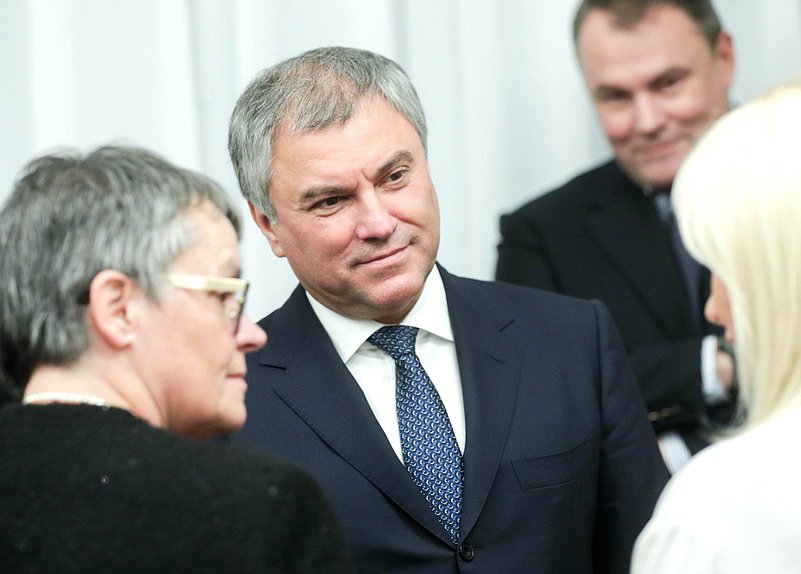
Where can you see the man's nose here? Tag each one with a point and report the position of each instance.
(374, 217)
(648, 115)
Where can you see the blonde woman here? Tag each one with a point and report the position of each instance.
(737, 506)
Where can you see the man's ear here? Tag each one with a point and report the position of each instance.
(725, 54)
(267, 228)
(114, 302)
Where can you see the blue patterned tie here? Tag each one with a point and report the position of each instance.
(430, 451)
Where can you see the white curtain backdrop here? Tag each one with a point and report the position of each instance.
(507, 111)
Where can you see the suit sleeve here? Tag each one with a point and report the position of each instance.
(632, 473)
(668, 374)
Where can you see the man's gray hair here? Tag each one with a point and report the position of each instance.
(71, 216)
(628, 13)
(318, 89)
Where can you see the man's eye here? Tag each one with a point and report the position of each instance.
(328, 202)
(668, 82)
(328, 205)
(396, 176)
(612, 96)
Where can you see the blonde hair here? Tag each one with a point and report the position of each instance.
(738, 204)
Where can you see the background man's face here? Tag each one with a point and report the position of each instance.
(358, 218)
(656, 87)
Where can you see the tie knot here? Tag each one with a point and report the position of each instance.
(664, 207)
(395, 340)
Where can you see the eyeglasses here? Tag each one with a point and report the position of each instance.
(234, 291)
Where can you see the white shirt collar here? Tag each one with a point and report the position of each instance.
(429, 314)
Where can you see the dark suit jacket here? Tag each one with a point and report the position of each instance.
(561, 470)
(600, 237)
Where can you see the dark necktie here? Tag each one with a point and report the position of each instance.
(430, 451)
(690, 269)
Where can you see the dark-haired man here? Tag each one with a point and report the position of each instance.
(658, 73)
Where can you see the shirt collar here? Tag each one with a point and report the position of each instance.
(430, 314)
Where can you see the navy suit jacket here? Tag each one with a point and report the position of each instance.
(600, 237)
(561, 470)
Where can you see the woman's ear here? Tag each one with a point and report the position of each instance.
(114, 304)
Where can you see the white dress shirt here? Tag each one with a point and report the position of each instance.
(374, 370)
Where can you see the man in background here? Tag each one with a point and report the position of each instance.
(456, 425)
(658, 73)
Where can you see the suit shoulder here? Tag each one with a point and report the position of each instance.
(563, 320)
(499, 294)
(569, 196)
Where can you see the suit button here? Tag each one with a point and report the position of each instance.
(466, 552)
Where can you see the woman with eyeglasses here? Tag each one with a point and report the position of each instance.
(736, 507)
(121, 328)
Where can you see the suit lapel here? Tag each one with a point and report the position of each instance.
(489, 368)
(319, 388)
(625, 225)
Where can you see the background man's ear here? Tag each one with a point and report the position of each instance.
(725, 54)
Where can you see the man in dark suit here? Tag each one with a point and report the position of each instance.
(456, 425)
(658, 72)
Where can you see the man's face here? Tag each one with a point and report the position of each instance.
(656, 87)
(358, 218)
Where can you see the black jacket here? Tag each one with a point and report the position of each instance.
(599, 236)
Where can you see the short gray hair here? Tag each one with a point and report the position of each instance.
(318, 89)
(71, 216)
(628, 13)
